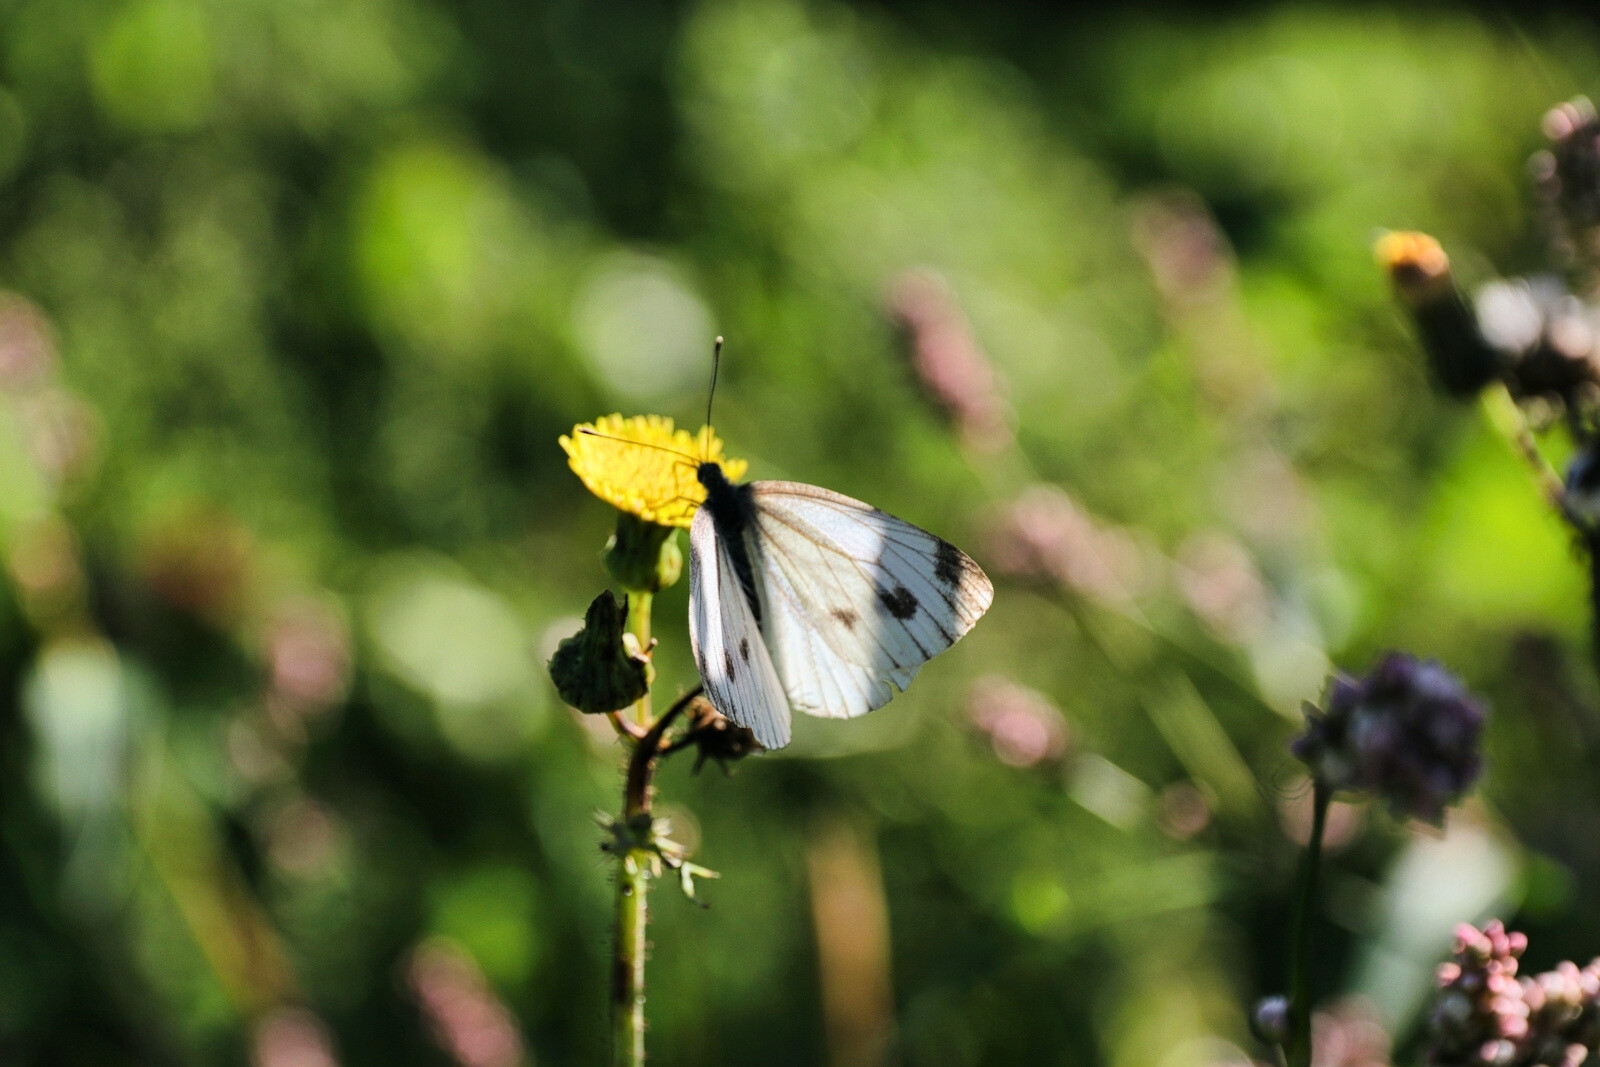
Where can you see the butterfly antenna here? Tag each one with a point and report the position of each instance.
(716, 364)
(635, 444)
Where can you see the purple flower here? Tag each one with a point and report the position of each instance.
(1407, 732)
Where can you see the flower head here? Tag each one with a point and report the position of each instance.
(644, 466)
(1485, 1015)
(1408, 732)
(1461, 360)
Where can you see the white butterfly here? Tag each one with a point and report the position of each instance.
(802, 596)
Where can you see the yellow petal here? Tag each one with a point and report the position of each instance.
(646, 467)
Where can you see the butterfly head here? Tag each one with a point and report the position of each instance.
(711, 475)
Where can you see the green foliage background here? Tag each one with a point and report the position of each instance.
(325, 279)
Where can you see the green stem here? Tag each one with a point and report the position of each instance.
(634, 868)
(1512, 425)
(633, 879)
(1299, 1049)
(627, 967)
(639, 626)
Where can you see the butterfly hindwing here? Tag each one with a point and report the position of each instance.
(854, 599)
(729, 649)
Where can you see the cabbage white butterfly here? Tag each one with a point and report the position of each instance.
(802, 596)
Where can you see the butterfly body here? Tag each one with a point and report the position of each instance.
(802, 596)
(732, 510)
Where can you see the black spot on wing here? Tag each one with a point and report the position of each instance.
(948, 566)
(727, 663)
(744, 649)
(900, 601)
(846, 618)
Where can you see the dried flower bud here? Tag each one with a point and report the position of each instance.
(642, 555)
(716, 737)
(1461, 360)
(601, 668)
(1407, 732)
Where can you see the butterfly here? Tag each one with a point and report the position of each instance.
(803, 597)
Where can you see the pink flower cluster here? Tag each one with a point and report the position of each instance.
(1486, 1016)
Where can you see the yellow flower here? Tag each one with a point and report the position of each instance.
(1416, 264)
(630, 464)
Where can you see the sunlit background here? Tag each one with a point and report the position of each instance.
(296, 297)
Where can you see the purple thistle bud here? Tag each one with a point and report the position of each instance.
(1407, 732)
(1269, 1019)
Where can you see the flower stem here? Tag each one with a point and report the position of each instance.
(639, 625)
(1512, 425)
(634, 869)
(627, 965)
(1299, 1049)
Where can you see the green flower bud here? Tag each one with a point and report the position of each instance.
(601, 668)
(643, 556)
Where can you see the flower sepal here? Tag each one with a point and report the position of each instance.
(643, 556)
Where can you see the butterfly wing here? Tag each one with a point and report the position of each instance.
(728, 647)
(854, 600)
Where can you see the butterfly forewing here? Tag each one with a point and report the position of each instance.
(728, 646)
(854, 598)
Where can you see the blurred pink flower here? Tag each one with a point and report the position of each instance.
(63, 433)
(1045, 534)
(1022, 724)
(1348, 1033)
(302, 836)
(466, 1018)
(948, 361)
(1294, 816)
(293, 1037)
(1188, 256)
(27, 345)
(1218, 578)
(308, 649)
(1182, 811)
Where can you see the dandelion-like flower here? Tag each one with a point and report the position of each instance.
(645, 467)
(1407, 732)
(1462, 361)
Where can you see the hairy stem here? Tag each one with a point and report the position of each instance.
(627, 965)
(634, 866)
(1299, 1048)
(1508, 420)
(631, 941)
